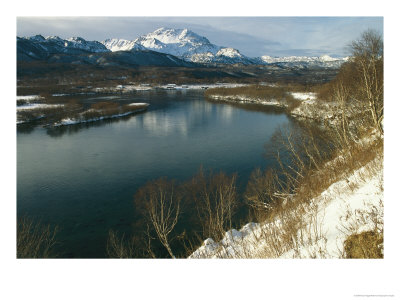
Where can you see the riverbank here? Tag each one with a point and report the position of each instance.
(350, 208)
(343, 204)
(299, 104)
(54, 113)
(98, 115)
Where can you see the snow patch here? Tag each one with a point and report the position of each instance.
(37, 106)
(28, 98)
(304, 96)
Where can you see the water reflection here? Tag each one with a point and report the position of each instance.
(270, 109)
(158, 121)
(226, 112)
(25, 128)
(59, 131)
(182, 120)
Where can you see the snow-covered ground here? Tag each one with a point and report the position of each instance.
(304, 96)
(345, 204)
(60, 95)
(37, 106)
(28, 98)
(138, 104)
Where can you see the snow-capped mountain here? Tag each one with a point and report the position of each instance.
(79, 51)
(179, 44)
(55, 43)
(89, 46)
(182, 43)
(305, 61)
(39, 47)
(121, 45)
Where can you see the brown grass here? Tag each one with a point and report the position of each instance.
(367, 244)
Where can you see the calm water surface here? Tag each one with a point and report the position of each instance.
(83, 177)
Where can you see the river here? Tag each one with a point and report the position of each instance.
(82, 178)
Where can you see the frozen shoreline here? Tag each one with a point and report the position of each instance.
(33, 106)
(309, 107)
(72, 121)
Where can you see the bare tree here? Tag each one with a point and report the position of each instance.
(367, 55)
(162, 208)
(341, 95)
(216, 199)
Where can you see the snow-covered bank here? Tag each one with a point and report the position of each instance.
(38, 106)
(308, 107)
(346, 207)
(28, 98)
(72, 121)
(129, 88)
(245, 99)
(34, 111)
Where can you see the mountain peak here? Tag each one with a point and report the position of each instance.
(37, 38)
(182, 43)
(229, 52)
(54, 38)
(76, 39)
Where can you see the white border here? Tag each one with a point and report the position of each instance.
(233, 279)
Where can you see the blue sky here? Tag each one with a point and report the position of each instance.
(252, 36)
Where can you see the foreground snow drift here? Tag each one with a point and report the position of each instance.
(342, 206)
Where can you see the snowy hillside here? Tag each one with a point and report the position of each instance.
(39, 47)
(80, 43)
(178, 42)
(55, 43)
(121, 45)
(349, 206)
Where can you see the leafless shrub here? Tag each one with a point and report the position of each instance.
(261, 193)
(119, 247)
(35, 240)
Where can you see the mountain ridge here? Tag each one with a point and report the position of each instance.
(184, 44)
